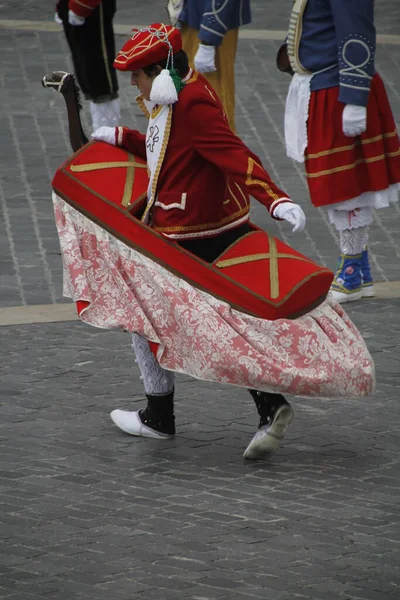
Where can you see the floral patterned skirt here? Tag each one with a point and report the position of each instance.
(320, 354)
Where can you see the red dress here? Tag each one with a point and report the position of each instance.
(341, 168)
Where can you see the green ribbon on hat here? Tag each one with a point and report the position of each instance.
(177, 80)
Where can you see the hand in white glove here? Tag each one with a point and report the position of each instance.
(74, 19)
(57, 19)
(354, 120)
(292, 213)
(106, 134)
(204, 60)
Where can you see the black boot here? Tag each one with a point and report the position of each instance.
(276, 414)
(159, 414)
(267, 404)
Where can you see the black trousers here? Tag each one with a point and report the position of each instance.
(210, 248)
(92, 47)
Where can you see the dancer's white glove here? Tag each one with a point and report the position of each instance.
(354, 120)
(57, 19)
(105, 134)
(74, 19)
(204, 60)
(292, 213)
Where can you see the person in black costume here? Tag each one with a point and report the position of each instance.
(88, 28)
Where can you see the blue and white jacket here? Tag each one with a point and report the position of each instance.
(335, 40)
(214, 18)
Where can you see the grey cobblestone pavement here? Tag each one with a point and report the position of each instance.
(266, 14)
(87, 512)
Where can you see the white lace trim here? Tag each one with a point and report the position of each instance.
(339, 213)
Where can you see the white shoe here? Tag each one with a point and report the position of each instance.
(269, 437)
(130, 422)
(368, 291)
(342, 298)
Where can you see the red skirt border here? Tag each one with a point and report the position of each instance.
(341, 168)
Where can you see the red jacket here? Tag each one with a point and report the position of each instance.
(208, 173)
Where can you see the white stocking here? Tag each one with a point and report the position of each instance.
(157, 381)
(105, 113)
(353, 241)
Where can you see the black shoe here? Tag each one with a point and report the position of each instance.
(276, 414)
(159, 414)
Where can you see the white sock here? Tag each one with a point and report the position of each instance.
(353, 241)
(106, 113)
(157, 381)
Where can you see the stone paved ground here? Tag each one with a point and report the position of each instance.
(86, 512)
(266, 14)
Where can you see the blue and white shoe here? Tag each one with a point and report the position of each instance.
(347, 284)
(367, 281)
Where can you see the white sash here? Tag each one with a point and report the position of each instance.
(156, 130)
(157, 136)
(296, 116)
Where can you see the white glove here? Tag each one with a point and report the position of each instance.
(57, 19)
(74, 19)
(204, 60)
(106, 134)
(354, 120)
(174, 9)
(292, 213)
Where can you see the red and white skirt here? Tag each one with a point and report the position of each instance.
(364, 170)
(116, 287)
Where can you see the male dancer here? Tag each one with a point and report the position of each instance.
(210, 34)
(201, 176)
(339, 121)
(89, 31)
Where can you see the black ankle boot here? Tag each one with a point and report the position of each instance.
(159, 413)
(267, 405)
(276, 414)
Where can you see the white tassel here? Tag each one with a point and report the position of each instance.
(163, 90)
